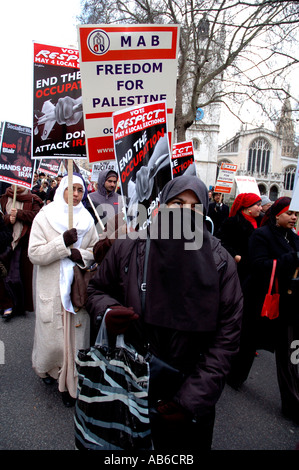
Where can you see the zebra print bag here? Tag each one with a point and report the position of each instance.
(111, 411)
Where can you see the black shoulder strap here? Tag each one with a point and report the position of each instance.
(143, 285)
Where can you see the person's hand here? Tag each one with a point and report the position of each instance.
(119, 318)
(70, 236)
(75, 255)
(13, 215)
(237, 258)
(172, 412)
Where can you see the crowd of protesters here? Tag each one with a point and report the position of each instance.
(201, 316)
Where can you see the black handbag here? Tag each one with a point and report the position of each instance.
(165, 380)
(5, 258)
(3, 270)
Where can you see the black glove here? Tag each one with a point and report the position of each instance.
(119, 318)
(70, 236)
(75, 255)
(172, 412)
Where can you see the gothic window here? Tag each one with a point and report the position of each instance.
(289, 178)
(273, 193)
(259, 156)
(262, 189)
(196, 144)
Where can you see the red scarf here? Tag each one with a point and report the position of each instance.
(250, 219)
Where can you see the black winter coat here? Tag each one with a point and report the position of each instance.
(218, 214)
(204, 357)
(266, 244)
(5, 235)
(234, 235)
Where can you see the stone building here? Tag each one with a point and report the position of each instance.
(268, 156)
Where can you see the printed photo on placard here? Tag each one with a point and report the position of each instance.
(16, 165)
(50, 167)
(143, 157)
(58, 128)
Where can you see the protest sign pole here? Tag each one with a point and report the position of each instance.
(14, 196)
(70, 191)
(96, 214)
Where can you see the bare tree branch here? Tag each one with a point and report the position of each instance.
(230, 52)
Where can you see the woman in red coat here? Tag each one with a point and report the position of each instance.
(16, 287)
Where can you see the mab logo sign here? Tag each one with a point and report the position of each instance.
(98, 41)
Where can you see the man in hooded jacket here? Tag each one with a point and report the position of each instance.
(105, 196)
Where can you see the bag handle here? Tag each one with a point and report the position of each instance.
(103, 339)
(272, 276)
(102, 336)
(143, 285)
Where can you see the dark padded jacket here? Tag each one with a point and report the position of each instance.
(205, 358)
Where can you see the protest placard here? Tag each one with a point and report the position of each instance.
(101, 166)
(294, 206)
(225, 178)
(123, 66)
(50, 167)
(247, 184)
(16, 166)
(58, 128)
(143, 157)
(183, 159)
(296, 174)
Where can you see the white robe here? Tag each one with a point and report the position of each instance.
(58, 333)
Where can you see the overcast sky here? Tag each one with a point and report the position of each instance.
(50, 22)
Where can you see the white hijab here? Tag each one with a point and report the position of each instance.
(57, 215)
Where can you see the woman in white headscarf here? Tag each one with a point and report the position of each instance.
(60, 330)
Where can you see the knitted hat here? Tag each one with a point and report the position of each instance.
(111, 173)
(242, 201)
(265, 200)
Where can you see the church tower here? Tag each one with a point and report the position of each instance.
(285, 127)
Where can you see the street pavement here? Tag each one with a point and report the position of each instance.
(33, 417)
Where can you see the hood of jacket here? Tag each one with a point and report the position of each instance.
(101, 181)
